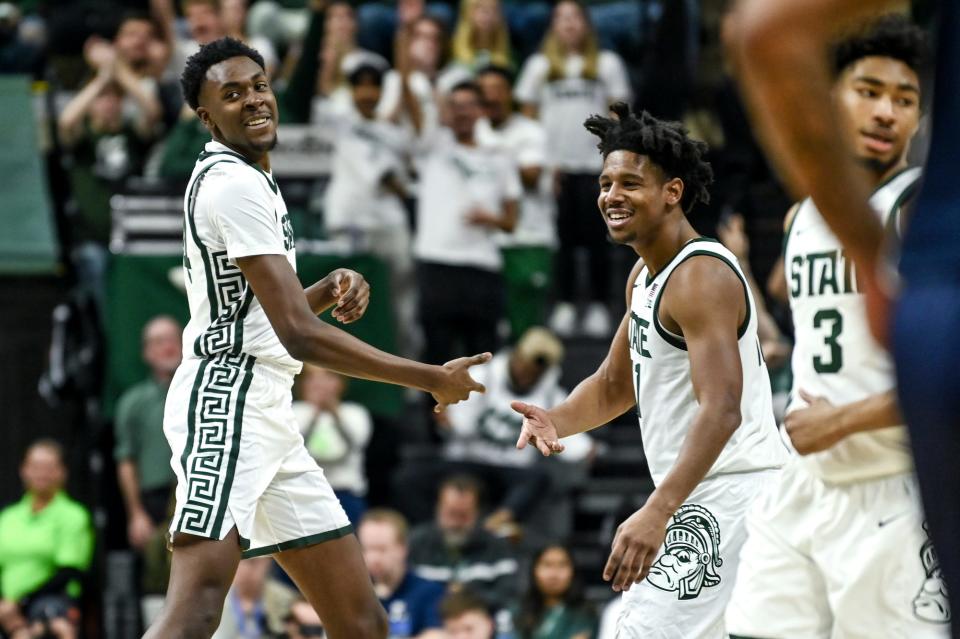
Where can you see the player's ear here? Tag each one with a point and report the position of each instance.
(204, 116)
(673, 191)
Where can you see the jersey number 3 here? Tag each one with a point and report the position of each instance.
(829, 317)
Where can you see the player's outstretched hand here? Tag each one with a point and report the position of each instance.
(456, 383)
(634, 547)
(815, 427)
(352, 295)
(538, 429)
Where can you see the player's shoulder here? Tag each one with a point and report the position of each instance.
(609, 60)
(705, 276)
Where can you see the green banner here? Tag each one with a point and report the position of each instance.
(140, 287)
(28, 244)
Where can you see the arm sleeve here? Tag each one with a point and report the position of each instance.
(512, 187)
(296, 101)
(75, 543)
(123, 429)
(532, 76)
(534, 150)
(615, 77)
(247, 222)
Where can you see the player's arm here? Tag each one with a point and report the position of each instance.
(780, 49)
(600, 398)
(309, 339)
(820, 424)
(699, 301)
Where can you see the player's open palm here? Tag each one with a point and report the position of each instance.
(635, 546)
(537, 429)
(456, 384)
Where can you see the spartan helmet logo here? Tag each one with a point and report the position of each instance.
(931, 602)
(691, 553)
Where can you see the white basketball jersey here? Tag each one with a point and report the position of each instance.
(664, 389)
(835, 356)
(232, 208)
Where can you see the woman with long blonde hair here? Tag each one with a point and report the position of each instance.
(481, 37)
(568, 81)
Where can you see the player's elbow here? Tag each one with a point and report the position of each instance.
(728, 417)
(295, 339)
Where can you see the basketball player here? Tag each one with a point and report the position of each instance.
(780, 46)
(246, 484)
(837, 547)
(687, 355)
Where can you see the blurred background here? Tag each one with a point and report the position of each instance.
(97, 149)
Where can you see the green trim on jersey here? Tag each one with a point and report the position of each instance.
(701, 238)
(216, 384)
(235, 447)
(893, 217)
(272, 183)
(678, 342)
(220, 318)
(191, 205)
(191, 427)
(302, 542)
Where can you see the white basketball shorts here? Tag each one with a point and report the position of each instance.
(835, 561)
(685, 594)
(240, 461)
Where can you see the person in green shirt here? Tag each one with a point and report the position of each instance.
(46, 544)
(553, 606)
(141, 450)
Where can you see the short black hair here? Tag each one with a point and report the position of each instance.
(366, 72)
(210, 54)
(497, 69)
(889, 36)
(467, 85)
(667, 144)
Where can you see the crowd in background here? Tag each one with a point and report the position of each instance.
(459, 159)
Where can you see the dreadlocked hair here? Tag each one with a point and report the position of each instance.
(210, 54)
(667, 144)
(888, 36)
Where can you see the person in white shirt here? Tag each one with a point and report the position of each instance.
(528, 251)
(468, 197)
(364, 200)
(336, 434)
(567, 82)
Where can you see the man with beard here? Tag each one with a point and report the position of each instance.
(846, 515)
(246, 485)
(687, 356)
(456, 550)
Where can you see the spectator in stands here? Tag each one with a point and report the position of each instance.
(363, 203)
(472, 198)
(528, 251)
(455, 550)
(18, 54)
(255, 608)
(569, 80)
(384, 27)
(303, 622)
(234, 16)
(483, 435)
(339, 56)
(284, 23)
(423, 68)
(553, 606)
(481, 37)
(141, 451)
(412, 603)
(204, 24)
(104, 147)
(466, 616)
(336, 433)
(46, 546)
